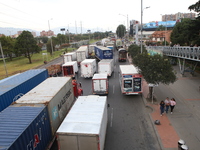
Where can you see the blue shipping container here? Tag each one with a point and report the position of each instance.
(25, 128)
(14, 87)
(103, 52)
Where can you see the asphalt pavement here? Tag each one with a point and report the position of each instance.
(184, 123)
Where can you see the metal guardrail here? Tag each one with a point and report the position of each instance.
(191, 53)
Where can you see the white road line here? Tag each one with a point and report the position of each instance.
(111, 118)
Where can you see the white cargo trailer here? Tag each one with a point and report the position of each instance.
(70, 69)
(54, 93)
(81, 54)
(100, 84)
(69, 57)
(106, 66)
(88, 68)
(84, 127)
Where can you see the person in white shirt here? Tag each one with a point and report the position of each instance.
(172, 104)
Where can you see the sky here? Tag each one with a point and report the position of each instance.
(104, 15)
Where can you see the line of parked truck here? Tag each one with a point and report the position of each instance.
(49, 111)
(36, 108)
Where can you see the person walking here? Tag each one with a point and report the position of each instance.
(172, 104)
(167, 104)
(162, 108)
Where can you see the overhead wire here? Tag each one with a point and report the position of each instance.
(27, 21)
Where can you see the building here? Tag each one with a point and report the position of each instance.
(177, 16)
(47, 33)
(160, 36)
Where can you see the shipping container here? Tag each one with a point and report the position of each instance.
(56, 94)
(70, 69)
(25, 128)
(14, 87)
(69, 57)
(81, 54)
(100, 84)
(84, 127)
(130, 80)
(88, 68)
(103, 52)
(106, 66)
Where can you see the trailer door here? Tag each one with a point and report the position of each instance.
(128, 85)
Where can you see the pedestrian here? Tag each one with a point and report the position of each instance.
(162, 108)
(172, 104)
(167, 104)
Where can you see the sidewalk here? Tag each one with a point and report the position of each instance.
(184, 123)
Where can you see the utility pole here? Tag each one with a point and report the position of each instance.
(3, 60)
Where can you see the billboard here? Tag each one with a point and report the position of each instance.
(156, 24)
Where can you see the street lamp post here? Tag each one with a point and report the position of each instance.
(127, 20)
(165, 27)
(51, 37)
(142, 9)
(68, 33)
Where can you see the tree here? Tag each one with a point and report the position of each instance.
(182, 32)
(26, 45)
(155, 69)
(121, 29)
(61, 39)
(134, 50)
(7, 45)
(196, 8)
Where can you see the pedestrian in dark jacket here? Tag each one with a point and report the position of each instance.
(162, 108)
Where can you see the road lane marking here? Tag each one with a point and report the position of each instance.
(113, 89)
(111, 118)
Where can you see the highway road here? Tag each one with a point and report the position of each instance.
(129, 125)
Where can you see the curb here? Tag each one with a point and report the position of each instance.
(152, 122)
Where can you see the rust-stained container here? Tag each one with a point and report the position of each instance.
(57, 94)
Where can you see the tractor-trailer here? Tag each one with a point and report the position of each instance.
(14, 87)
(100, 84)
(69, 57)
(81, 54)
(84, 127)
(102, 52)
(106, 66)
(88, 68)
(70, 69)
(54, 93)
(25, 128)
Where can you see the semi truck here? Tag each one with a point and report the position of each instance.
(106, 66)
(54, 70)
(69, 57)
(130, 80)
(102, 52)
(88, 68)
(70, 69)
(84, 127)
(100, 84)
(81, 54)
(13, 87)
